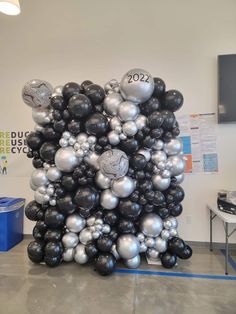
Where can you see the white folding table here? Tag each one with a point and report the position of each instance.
(227, 219)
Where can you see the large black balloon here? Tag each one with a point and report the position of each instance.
(50, 134)
(176, 245)
(53, 235)
(150, 106)
(42, 227)
(68, 182)
(175, 195)
(155, 120)
(105, 264)
(34, 140)
(104, 243)
(97, 124)
(66, 204)
(53, 249)
(35, 251)
(48, 151)
(168, 120)
(172, 100)
(52, 261)
(126, 226)
(57, 103)
(129, 209)
(86, 198)
(59, 126)
(74, 127)
(31, 210)
(176, 209)
(79, 106)
(37, 234)
(168, 260)
(129, 146)
(159, 87)
(91, 250)
(95, 93)
(71, 89)
(37, 162)
(138, 162)
(54, 218)
(186, 253)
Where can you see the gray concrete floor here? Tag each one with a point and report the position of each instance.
(71, 288)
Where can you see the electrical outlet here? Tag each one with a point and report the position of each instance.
(188, 220)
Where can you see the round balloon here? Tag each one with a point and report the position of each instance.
(65, 159)
(128, 246)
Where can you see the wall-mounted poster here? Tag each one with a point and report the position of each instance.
(198, 133)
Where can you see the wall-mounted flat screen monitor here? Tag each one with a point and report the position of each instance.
(227, 88)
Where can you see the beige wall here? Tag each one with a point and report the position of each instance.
(75, 40)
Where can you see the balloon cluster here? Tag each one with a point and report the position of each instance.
(108, 167)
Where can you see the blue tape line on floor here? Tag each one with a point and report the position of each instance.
(172, 274)
(231, 261)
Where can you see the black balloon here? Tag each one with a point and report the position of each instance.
(68, 182)
(66, 204)
(57, 103)
(50, 134)
(172, 100)
(53, 249)
(85, 84)
(159, 199)
(163, 212)
(42, 227)
(126, 226)
(111, 217)
(56, 115)
(104, 243)
(176, 245)
(138, 162)
(34, 140)
(54, 218)
(79, 106)
(129, 209)
(168, 260)
(150, 106)
(97, 124)
(159, 87)
(48, 151)
(86, 198)
(37, 234)
(35, 251)
(59, 126)
(176, 209)
(31, 210)
(168, 120)
(129, 146)
(52, 261)
(53, 235)
(74, 127)
(155, 120)
(91, 250)
(186, 253)
(95, 93)
(37, 162)
(105, 264)
(175, 195)
(71, 89)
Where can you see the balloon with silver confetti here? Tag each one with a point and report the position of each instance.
(123, 187)
(80, 254)
(151, 225)
(75, 223)
(160, 245)
(128, 111)
(173, 147)
(108, 200)
(160, 183)
(68, 255)
(127, 246)
(102, 181)
(132, 263)
(137, 85)
(111, 103)
(70, 240)
(65, 159)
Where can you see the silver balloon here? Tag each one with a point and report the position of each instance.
(92, 160)
(41, 198)
(32, 186)
(173, 147)
(161, 165)
(38, 128)
(53, 202)
(140, 236)
(146, 153)
(41, 117)
(65, 159)
(160, 183)
(165, 234)
(114, 252)
(160, 245)
(129, 128)
(37, 94)
(50, 191)
(159, 156)
(68, 255)
(70, 240)
(112, 86)
(167, 224)
(39, 177)
(106, 228)
(123, 187)
(137, 85)
(159, 145)
(57, 91)
(166, 173)
(81, 138)
(132, 262)
(128, 111)
(42, 189)
(173, 232)
(151, 225)
(152, 254)
(111, 103)
(85, 236)
(102, 181)
(114, 123)
(174, 222)
(114, 163)
(141, 121)
(143, 247)
(96, 235)
(80, 255)
(53, 174)
(180, 178)
(108, 200)
(90, 221)
(150, 242)
(177, 165)
(113, 138)
(127, 246)
(75, 223)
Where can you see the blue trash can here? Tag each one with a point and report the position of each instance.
(11, 222)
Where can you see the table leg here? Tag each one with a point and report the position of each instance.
(226, 248)
(211, 248)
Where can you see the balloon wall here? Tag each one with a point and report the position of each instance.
(108, 168)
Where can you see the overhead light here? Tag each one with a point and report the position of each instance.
(10, 7)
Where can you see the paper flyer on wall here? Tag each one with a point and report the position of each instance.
(198, 133)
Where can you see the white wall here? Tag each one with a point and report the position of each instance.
(61, 41)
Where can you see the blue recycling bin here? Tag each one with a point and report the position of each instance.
(11, 222)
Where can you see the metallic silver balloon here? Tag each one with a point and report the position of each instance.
(106, 228)
(50, 191)
(160, 245)
(68, 255)
(57, 91)
(39, 177)
(41, 198)
(37, 94)
(70, 240)
(80, 255)
(174, 222)
(90, 221)
(167, 224)
(145, 152)
(53, 174)
(38, 128)
(128, 111)
(32, 186)
(158, 156)
(180, 178)
(173, 147)
(123, 187)
(129, 128)
(159, 145)
(111, 103)
(112, 86)
(166, 173)
(113, 138)
(114, 252)
(151, 225)
(75, 223)
(137, 85)
(53, 202)
(114, 123)
(143, 247)
(173, 232)
(150, 242)
(92, 160)
(161, 165)
(114, 163)
(65, 159)
(165, 234)
(160, 183)
(96, 235)
(127, 246)
(41, 117)
(85, 236)
(108, 200)
(63, 142)
(152, 254)
(177, 165)
(140, 236)
(132, 262)
(141, 121)
(81, 138)
(102, 181)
